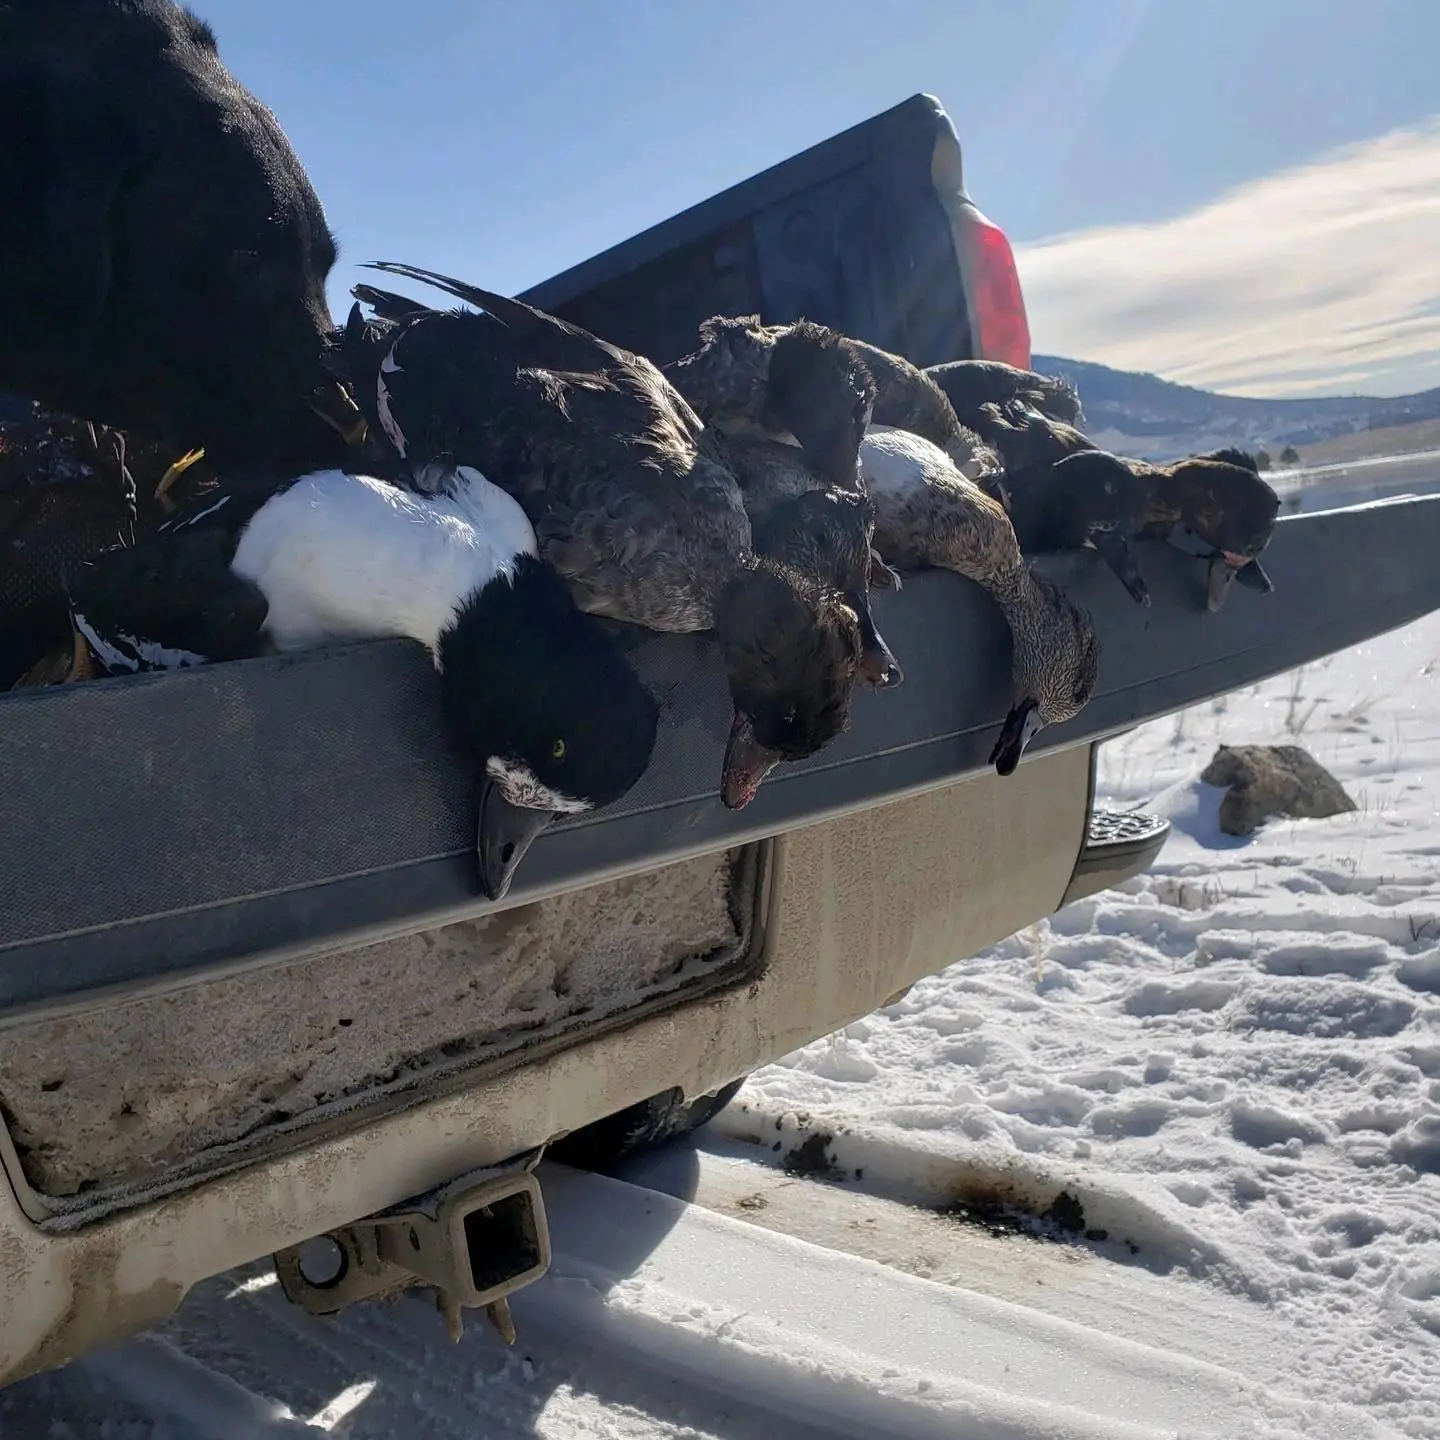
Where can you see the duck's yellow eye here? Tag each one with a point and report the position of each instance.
(557, 750)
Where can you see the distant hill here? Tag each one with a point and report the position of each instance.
(1143, 415)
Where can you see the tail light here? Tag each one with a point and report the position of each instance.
(997, 305)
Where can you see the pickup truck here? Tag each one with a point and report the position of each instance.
(251, 999)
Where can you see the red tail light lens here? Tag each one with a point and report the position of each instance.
(998, 305)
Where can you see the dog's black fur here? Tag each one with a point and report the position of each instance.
(163, 256)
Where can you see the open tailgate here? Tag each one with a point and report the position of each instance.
(162, 827)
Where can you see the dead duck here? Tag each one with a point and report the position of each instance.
(1056, 499)
(906, 398)
(629, 503)
(1216, 506)
(787, 406)
(824, 531)
(801, 384)
(929, 515)
(1025, 439)
(1083, 501)
(969, 384)
(70, 489)
(830, 533)
(537, 696)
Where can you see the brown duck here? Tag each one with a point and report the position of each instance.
(969, 384)
(1223, 508)
(929, 515)
(823, 531)
(801, 384)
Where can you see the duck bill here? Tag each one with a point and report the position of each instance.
(1252, 575)
(878, 667)
(1218, 579)
(505, 833)
(1114, 549)
(1227, 568)
(747, 763)
(1021, 726)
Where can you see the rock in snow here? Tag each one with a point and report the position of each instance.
(1270, 780)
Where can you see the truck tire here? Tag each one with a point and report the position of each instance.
(603, 1144)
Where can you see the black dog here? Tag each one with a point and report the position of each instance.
(163, 256)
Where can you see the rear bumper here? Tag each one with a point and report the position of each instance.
(854, 911)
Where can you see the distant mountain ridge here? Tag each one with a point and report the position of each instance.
(1143, 415)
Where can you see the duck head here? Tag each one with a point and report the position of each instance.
(792, 654)
(801, 383)
(726, 376)
(1055, 667)
(1108, 502)
(828, 534)
(541, 700)
(821, 392)
(1223, 501)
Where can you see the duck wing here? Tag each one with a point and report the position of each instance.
(927, 514)
(644, 521)
(767, 471)
(507, 338)
(598, 447)
(546, 339)
(171, 600)
(168, 602)
(390, 307)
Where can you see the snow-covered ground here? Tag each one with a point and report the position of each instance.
(1245, 1041)
(1232, 1066)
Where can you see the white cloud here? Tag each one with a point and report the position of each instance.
(1324, 279)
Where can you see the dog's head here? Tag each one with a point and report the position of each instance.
(164, 259)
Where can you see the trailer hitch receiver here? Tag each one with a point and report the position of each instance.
(475, 1241)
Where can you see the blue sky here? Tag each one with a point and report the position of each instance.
(506, 142)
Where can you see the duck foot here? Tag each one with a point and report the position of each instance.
(172, 475)
(82, 663)
(335, 407)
